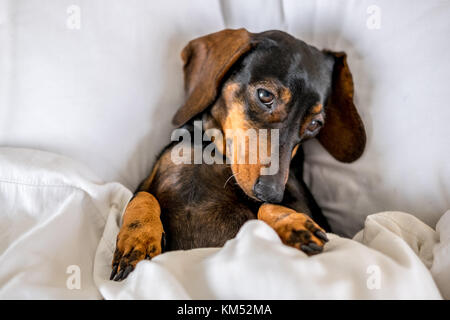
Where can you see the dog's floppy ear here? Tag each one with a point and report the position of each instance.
(206, 61)
(343, 134)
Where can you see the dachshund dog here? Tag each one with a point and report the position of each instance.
(236, 80)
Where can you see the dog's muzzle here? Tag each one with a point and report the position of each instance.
(265, 189)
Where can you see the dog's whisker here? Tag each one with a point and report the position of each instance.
(233, 175)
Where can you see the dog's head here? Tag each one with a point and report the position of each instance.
(272, 80)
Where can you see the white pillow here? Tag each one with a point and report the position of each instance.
(104, 94)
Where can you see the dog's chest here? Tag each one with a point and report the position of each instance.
(202, 207)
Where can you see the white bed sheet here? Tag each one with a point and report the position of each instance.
(52, 215)
(55, 214)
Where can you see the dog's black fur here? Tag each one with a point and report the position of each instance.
(204, 205)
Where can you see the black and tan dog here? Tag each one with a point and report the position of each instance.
(240, 80)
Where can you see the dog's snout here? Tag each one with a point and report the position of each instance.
(266, 190)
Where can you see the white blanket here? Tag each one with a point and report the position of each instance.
(59, 222)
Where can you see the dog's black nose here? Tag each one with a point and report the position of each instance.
(265, 189)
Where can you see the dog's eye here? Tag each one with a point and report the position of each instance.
(265, 96)
(314, 126)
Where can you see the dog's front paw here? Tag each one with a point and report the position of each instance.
(133, 246)
(141, 236)
(300, 231)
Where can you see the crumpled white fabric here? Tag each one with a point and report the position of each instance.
(55, 214)
(394, 246)
(52, 215)
(440, 268)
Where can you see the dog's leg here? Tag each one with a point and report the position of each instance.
(295, 229)
(140, 236)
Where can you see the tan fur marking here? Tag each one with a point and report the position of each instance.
(147, 182)
(141, 231)
(286, 95)
(245, 174)
(317, 108)
(171, 172)
(294, 151)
